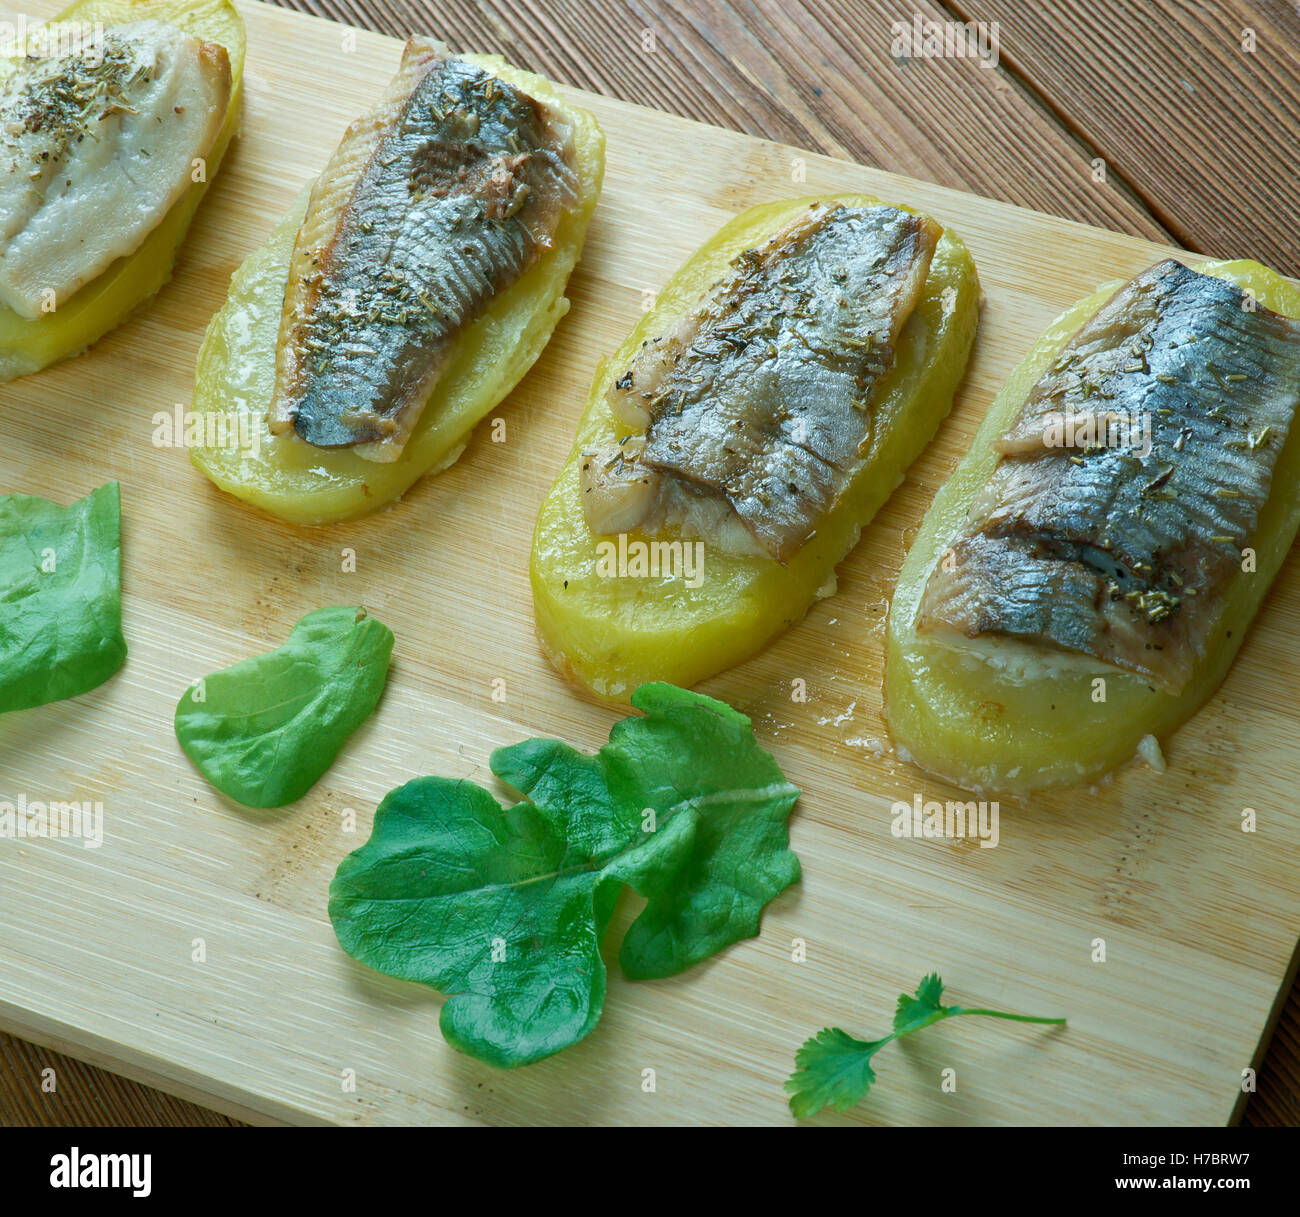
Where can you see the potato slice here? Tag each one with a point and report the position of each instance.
(1011, 719)
(305, 484)
(613, 634)
(30, 344)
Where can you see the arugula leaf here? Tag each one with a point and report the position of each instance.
(833, 1069)
(60, 596)
(505, 909)
(264, 731)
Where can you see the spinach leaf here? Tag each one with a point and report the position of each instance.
(263, 731)
(504, 909)
(60, 596)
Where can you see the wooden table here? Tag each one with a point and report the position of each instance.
(1171, 120)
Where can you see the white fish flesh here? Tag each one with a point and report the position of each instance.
(95, 149)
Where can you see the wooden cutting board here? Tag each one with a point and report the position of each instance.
(99, 948)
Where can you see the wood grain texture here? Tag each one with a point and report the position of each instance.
(725, 66)
(1276, 1104)
(42, 1087)
(817, 76)
(1196, 105)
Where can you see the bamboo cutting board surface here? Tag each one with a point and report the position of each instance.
(97, 957)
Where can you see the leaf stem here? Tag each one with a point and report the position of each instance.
(955, 1011)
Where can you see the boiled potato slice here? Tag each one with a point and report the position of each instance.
(290, 478)
(27, 345)
(985, 727)
(612, 635)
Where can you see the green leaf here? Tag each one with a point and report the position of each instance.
(832, 1070)
(913, 1013)
(741, 857)
(505, 909)
(264, 731)
(60, 596)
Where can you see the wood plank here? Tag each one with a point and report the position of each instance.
(754, 68)
(1200, 938)
(1203, 130)
(40, 1086)
(1277, 1101)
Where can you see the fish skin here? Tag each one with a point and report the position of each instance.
(427, 191)
(768, 410)
(84, 183)
(1110, 552)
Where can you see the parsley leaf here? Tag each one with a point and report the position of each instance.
(833, 1069)
(60, 596)
(505, 908)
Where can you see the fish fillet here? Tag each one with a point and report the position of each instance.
(433, 203)
(1120, 547)
(757, 408)
(96, 148)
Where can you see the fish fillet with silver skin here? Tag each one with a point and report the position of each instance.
(1109, 551)
(95, 148)
(433, 203)
(749, 420)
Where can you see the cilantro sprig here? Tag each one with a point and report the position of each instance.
(833, 1069)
